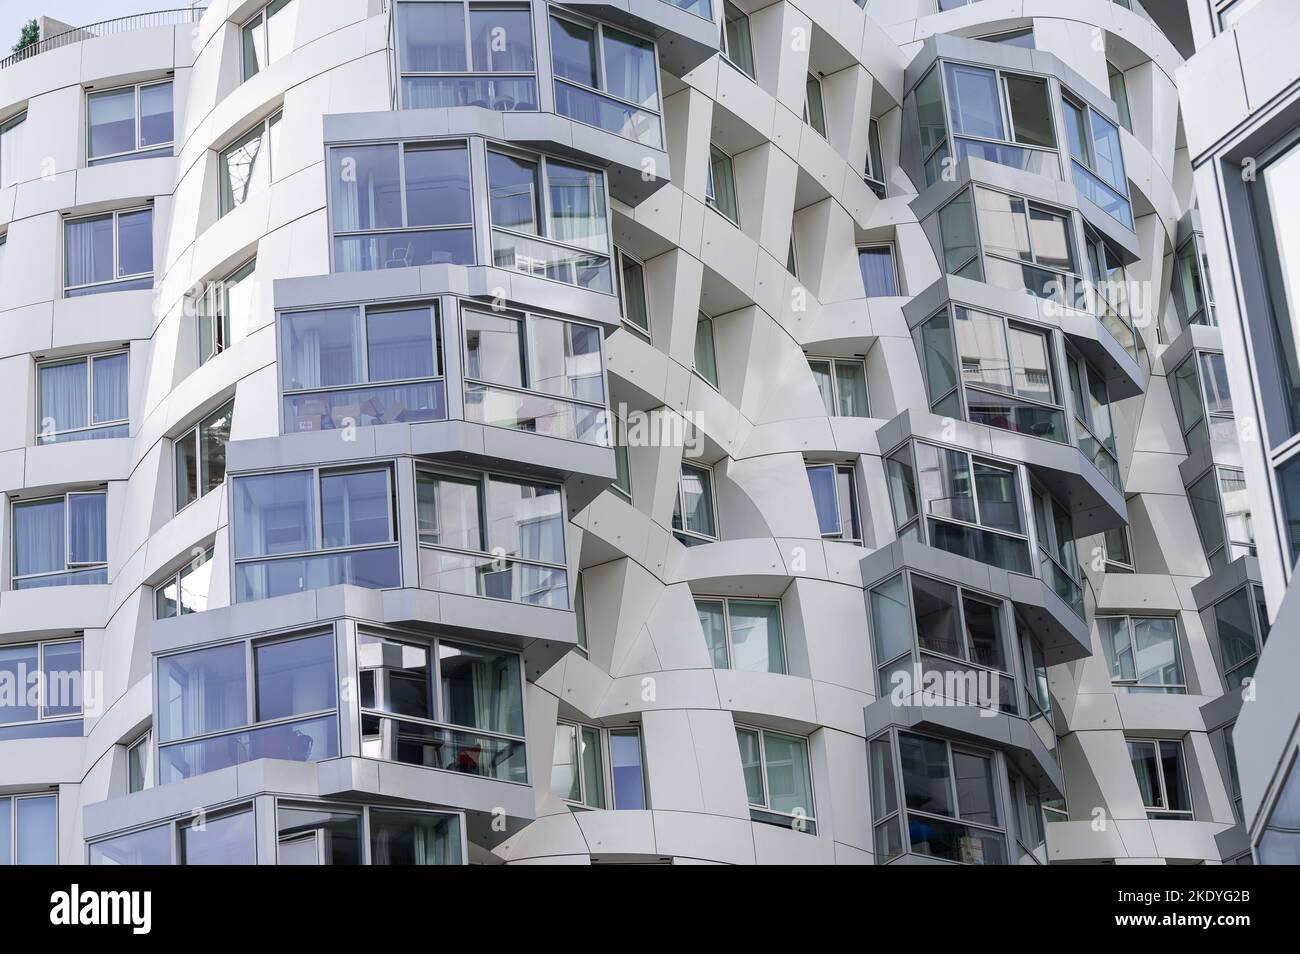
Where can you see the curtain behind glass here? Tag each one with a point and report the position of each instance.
(432, 37)
(156, 119)
(110, 377)
(877, 267)
(515, 35)
(821, 480)
(111, 118)
(630, 70)
(321, 348)
(400, 344)
(577, 205)
(63, 396)
(756, 636)
(88, 249)
(87, 529)
(38, 537)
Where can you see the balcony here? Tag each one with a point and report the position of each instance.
(56, 35)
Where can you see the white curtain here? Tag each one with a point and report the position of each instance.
(87, 528)
(63, 398)
(38, 537)
(111, 380)
(88, 250)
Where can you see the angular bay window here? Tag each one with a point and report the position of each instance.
(933, 126)
(1221, 508)
(549, 219)
(491, 535)
(1093, 427)
(737, 45)
(1203, 400)
(443, 705)
(535, 373)
(1097, 160)
(606, 78)
(1110, 293)
(835, 498)
(1161, 777)
(83, 398)
(720, 185)
(361, 365)
(267, 36)
(1027, 246)
(201, 456)
(578, 773)
(60, 541)
(1241, 624)
(221, 838)
(466, 54)
(44, 709)
(29, 829)
(743, 634)
(108, 252)
(414, 838)
(879, 276)
(1001, 117)
(225, 311)
(1058, 554)
(778, 779)
(961, 242)
(301, 530)
(247, 167)
(395, 205)
(131, 122)
(1142, 653)
(1007, 368)
(693, 509)
(842, 383)
(186, 590)
(236, 702)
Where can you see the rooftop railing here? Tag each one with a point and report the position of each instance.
(138, 21)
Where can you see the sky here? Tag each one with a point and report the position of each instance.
(14, 13)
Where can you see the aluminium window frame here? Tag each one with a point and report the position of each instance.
(1084, 423)
(139, 152)
(1155, 811)
(178, 577)
(13, 798)
(700, 320)
(716, 154)
(1069, 278)
(725, 602)
(7, 126)
(262, 129)
(873, 177)
(724, 44)
(142, 743)
(813, 83)
(598, 27)
(809, 819)
(855, 520)
(1004, 107)
(214, 300)
(893, 264)
(832, 362)
(196, 430)
(88, 358)
(622, 459)
(363, 812)
(1112, 560)
(624, 257)
(68, 565)
(90, 288)
(680, 507)
(1258, 628)
(606, 765)
(175, 824)
(41, 717)
(1130, 626)
(1089, 146)
(262, 12)
(1224, 551)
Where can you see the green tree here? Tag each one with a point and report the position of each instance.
(30, 33)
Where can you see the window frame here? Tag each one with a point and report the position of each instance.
(873, 177)
(703, 321)
(263, 13)
(143, 743)
(832, 362)
(179, 578)
(68, 565)
(1000, 75)
(1159, 811)
(1088, 163)
(196, 430)
(625, 258)
(263, 130)
(809, 820)
(680, 507)
(855, 521)
(7, 176)
(12, 799)
(1259, 634)
(608, 801)
(725, 602)
(139, 152)
(45, 438)
(91, 288)
(716, 155)
(42, 718)
(729, 55)
(893, 265)
(213, 305)
(363, 813)
(1130, 626)
(815, 120)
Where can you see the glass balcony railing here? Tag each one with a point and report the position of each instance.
(303, 740)
(502, 578)
(491, 91)
(1041, 162)
(605, 112)
(535, 413)
(364, 253)
(434, 746)
(1103, 196)
(374, 568)
(533, 256)
(362, 407)
(1061, 583)
(701, 8)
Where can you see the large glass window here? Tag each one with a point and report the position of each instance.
(737, 45)
(1028, 246)
(1241, 625)
(83, 398)
(1097, 160)
(248, 166)
(606, 78)
(835, 498)
(186, 590)
(1058, 554)
(29, 829)
(743, 634)
(778, 779)
(225, 838)
(1142, 653)
(148, 846)
(1275, 196)
(11, 148)
(58, 541)
(549, 219)
(842, 383)
(43, 690)
(131, 122)
(360, 366)
(578, 772)
(466, 54)
(876, 263)
(961, 244)
(491, 535)
(693, 510)
(396, 205)
(237, 702)
(414, 838)
(1221, 508)
(1094, 430)
(224, 311)
(303, 530)
(720, 185)
(1161, 777)
(1279, 844)
(267, 36)
(442, 704)
(1191, 285)
(201, 456)
(535, 373)
(1000, 117)
(108, 252)
(932, 124)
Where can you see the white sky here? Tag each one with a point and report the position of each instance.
(14, 13)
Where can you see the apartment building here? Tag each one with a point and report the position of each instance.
(706, 431)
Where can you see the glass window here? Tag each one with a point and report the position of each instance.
(83, 398)
(459, 54)
(693, 517)
(150, 846)
(414, 838)
(706, 365)
(1277, 845)
(29, 829)
(186, 591)
(960, 239)
(1161, 777)
(1008, 371)
(268, 36)
(1119, 94)
(132, 122)
(1275, 194)
(606, 78)
(1142, 653)
(720, 185)
(933, 127)
(842, 383)
(778, 779)
(224, 311)
(493, 536)
(1241, 630)
(59, 541)
(1098, 164)
(578, 767)
(201, 456)
(736, 44)
(139, 764)
(226, 839)
(875, 171)
(247, 166)
(814, 109)
(876, 263)
(1031, 115)
(951, 800)
(743, 634)
(43, 690)
(11, 152)
(314, 834)
(361, 366)
(549, 219)
(284, 544)
(1119, 553)
(835, 499)
(626, 770)
(632, 283)
(108, 252)
(973, 101)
